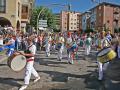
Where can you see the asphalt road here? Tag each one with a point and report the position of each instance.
(59, 75)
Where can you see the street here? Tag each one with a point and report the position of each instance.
(59, 75)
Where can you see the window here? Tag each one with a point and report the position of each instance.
(108, 21)
(71, 27)
(100, 15)
(24, 9)
(100, 7)
(3, 6)
(18, 9)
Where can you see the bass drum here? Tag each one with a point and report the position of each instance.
(106, 55)
(17, 62)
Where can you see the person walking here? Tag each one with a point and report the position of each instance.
(60, 46)
(102, 66)
(30, 54)
(88, 43)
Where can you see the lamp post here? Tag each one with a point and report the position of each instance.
(68, 7)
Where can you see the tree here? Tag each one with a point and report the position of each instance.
(88, 30)
(116, 30)
(46, 14)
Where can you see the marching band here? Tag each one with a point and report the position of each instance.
(69, 41)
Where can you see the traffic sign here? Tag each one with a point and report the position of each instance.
(42, 23)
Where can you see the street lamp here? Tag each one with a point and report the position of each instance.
(55, 4)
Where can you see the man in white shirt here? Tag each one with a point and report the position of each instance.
(69, 43)
(88, 44)
(102, 66)
(60, 46)
(48, 41)
(29, 67)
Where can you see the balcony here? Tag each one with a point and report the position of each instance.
(116, 10)
(116, 16)
(24, 16)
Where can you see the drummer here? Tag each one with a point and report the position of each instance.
(60, 44)
(10, 45)
(118, 49)
(103, 43)
(29, 67)
(69, 43)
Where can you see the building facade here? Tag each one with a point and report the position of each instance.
(15, 12)
(70, 21)
(105, 16)
(57, 20)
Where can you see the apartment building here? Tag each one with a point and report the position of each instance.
(15, 13)
(103, 16)
(57, 20)
(70, 21)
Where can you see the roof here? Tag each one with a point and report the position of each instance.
(103, 3)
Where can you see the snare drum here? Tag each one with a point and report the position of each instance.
(105, 55)
(17, 62)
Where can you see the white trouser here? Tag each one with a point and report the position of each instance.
(47, 48)
(60, 51)
(70, 57)
(87, 49)
(30, 70)
(118, 51)
(102, 67)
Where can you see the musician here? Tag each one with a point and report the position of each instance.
(69, 43)
(29, 67)
(118, 49)
(48, 41)
(88, 43)
(10, 45)
(60, 45)
(103, 43)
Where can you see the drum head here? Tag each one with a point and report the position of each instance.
(103, 51)
(17, 63)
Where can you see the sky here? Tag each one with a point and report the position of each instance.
(76, 5)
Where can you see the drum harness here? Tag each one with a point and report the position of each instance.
(28, 52)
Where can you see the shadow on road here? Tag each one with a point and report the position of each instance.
(90, 81)
(10, 81)
(50, 62)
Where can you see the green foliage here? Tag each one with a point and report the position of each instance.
(46, 14)
(89, 30)
(116, 30)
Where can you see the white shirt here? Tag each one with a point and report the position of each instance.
(33, 50)
(61, 39)
(1, 41)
